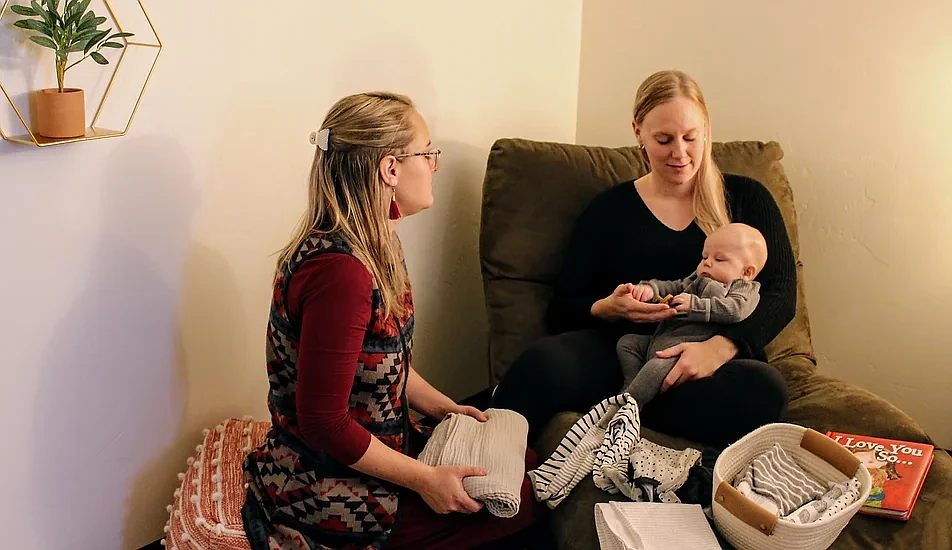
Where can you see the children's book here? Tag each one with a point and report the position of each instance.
(898, 469)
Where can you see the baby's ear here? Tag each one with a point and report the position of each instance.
(750, 272)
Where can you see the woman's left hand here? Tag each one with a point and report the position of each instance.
(470, 411)
(697, 359)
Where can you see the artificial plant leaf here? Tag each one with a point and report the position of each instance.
(89, 15)
(34, 25)
(113, 45)
(43, 13)
(91, 24)
(99, 58)
(83, 39)
(83, 6)
(44, 41)
(52, 5)
(24, 10)
(71, 16)
(95, 40)
(78, 11)
(121, 35)
(76, 47)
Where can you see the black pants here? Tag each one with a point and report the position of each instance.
(575, 370)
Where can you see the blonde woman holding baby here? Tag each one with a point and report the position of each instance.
(719, 388)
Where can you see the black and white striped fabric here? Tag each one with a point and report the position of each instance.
(575, 457)
(621, 436)
(603, 444)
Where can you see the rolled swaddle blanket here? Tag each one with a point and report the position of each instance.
(498, 445)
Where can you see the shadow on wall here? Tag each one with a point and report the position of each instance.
(112, 391)
(443, 257)
(441, 244)
(21, 62)
(8, 149)
(208, 308)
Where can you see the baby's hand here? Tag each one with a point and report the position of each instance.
(642, 293)
(681, 302)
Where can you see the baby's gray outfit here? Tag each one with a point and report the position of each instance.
(712, 304)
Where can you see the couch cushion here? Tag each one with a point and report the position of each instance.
(532, 194)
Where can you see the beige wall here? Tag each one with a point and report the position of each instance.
(860, 96)
(136, 275)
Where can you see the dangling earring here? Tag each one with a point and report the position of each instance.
(394, 209)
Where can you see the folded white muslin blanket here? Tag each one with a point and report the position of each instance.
(652, 525)
(498, 445)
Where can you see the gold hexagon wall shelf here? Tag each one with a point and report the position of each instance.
(93, 131)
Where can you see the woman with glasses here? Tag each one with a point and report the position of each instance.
(338, 467)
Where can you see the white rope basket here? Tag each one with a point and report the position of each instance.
(748, 526)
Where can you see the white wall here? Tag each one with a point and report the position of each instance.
(137, 270)
(859, 94)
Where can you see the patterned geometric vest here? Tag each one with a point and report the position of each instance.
(303, 498)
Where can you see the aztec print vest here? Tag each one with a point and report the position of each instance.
(305, 498)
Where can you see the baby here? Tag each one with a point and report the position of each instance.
(722, 290)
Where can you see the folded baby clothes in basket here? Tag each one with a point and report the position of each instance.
(777, 483)
(837, 499)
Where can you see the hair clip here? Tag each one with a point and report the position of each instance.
(321, 138)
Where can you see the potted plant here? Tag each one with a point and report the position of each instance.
(61, 111)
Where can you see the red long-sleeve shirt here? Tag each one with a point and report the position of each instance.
(329, 299)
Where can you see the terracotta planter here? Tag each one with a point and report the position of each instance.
(60, 115)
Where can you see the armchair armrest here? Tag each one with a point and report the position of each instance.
(825, 403)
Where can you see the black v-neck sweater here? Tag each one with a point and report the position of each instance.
(618, 240)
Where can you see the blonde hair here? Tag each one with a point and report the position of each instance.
(710, 202)
(346, 195)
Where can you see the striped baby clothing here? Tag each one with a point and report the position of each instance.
(777, 483)
(498, 445)
(606, 443)
(575, 456)
(621, 435)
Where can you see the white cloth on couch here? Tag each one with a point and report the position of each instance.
(649, 525)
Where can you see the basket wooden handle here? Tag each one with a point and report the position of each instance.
(830, 451)
(744, 509)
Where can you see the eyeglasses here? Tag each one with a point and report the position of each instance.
(432, 156)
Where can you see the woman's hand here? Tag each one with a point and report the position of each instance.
(470, 411)
(698, 359)
(428, 400)
(622, 305)
(442, 489)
